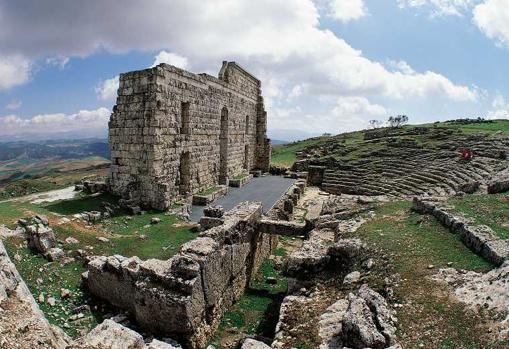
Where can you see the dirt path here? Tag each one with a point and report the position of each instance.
(48, 196)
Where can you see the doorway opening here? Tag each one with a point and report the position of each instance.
(223, 147)
(246, 157)
(185, 173)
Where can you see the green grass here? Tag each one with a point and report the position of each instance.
(34, 267)
(488, 209)
(80, 204)
(241, 176)
(491, 127)
(284, 154)
(209, 191)
(128, 236)
(353, 147)
(257, 312)
(25, 187)
(413, 242)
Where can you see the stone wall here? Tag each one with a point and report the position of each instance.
(22, 323)
(186, 296)
(173, 133)
(481, 239)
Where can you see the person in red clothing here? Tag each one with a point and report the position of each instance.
(467, 154)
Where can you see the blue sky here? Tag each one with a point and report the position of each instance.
(325, 66)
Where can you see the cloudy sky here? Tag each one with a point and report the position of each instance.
(325, 65)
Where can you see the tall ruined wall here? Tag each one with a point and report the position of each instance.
(186, 296)
(166, 130)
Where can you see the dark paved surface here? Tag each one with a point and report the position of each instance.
(267, 190)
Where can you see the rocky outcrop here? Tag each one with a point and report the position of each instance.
(357, 321)
(500, 183)
(22, 323)
(481, 239)
(362, 321)
(253, 344)
(318, 255)
(93, 187)
(111, 335)
(484, 290)
(186, 296)
(38, 233)
(359, 328)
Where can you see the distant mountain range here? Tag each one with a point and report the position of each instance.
(60, 149)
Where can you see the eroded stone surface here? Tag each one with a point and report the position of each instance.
(22, 323)
(186, 295)
(174, 133)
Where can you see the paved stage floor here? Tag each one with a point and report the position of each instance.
(267, 190)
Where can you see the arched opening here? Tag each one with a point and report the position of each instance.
(223, 147)
(185, 173)
(246, 157)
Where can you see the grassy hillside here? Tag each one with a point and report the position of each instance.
(126, 235)
(27, 168)
(352, 145)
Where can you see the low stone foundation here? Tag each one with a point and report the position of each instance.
(283, 209)
(204, 200)
(239, 183)
(479, 238)
(185, 297)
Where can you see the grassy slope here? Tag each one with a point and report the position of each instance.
(284, 155)
(488, 209)
(429, 316)
(127, 236)
(47, 175)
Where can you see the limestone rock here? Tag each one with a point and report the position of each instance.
(216, 211)
(55, 254)
(330, 327)
(253, 344)
(385, 317)
(40, 237)
(110, 335)
(155, 344)
(352, 278)
(359, 329)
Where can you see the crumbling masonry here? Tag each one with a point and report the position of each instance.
(173, 133)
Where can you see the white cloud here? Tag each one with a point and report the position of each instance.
(287, 40)
(358, 106)
(107, 90)
(172, 59)
(59, 61)
(402, 66)
(283, 44)
(492, 18)
(14, 71)
(14, 105)
(347, 10)
(82, 121)
(441, 7)
(500, 108)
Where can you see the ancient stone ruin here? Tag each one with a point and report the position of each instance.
(174, 133)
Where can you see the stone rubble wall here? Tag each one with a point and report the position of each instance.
(22, 323)
(283, 208)
(147, 142)
(185, 297)
(481, 239)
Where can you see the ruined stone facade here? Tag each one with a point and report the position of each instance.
(185, 297)
(173, 133)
